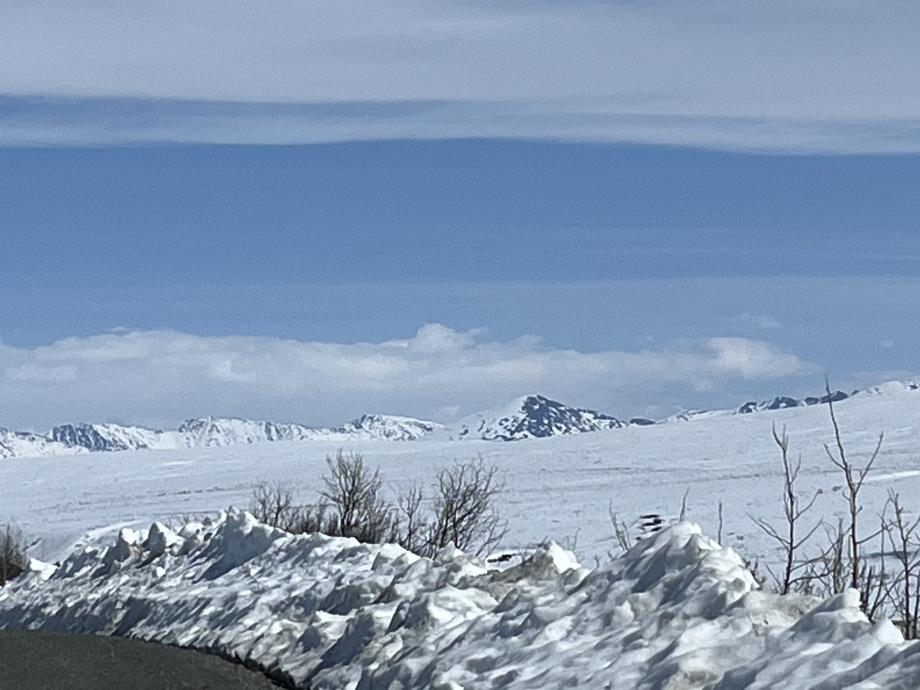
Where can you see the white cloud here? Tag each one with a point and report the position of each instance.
(752, 359)
(763, 321)
(159, 377)
(793, 75)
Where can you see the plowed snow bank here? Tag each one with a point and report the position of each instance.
(677, 611)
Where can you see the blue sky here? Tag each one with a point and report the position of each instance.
(691, 243)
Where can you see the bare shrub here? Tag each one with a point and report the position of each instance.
(721, 523)
(905, 590)
(870, 581)
(753, 567)
(846, 560)
(274, 505)
(309, 519)
(620, 530)
(354, 494)
(464, 508)
(841, 563)
(683, 505)
(827, 573)
(797, 571)
(854, 478)
(411, 526)
(648, 524)
(875, 583)
(13, 559)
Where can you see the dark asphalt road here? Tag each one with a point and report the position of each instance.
(31, 660)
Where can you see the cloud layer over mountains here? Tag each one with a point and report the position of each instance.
(157, 377)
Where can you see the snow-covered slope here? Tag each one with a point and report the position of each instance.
(213, 432)
(16, 444)
(113, 437)
(784, 402)
(218, 432)
(532, 416)
(890, 388)
(389, 428)
(677, 611)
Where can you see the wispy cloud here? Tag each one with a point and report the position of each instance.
(740, 74)
(762, 321)
(161, 376)
(64, 121)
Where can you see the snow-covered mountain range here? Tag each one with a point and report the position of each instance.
(205, 432)
(530, 416)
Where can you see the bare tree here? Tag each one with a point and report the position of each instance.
(464, 508)
(411, 528)
(854, 478)
(796, 569)
(355, 494)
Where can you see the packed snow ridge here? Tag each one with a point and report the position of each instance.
(677, 611)
(531, 416)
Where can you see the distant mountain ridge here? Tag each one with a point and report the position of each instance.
(528, 417)
(15, 444)
(785, 402)
(105, 438)
(534, 416)
(204, 432)
(228, 431)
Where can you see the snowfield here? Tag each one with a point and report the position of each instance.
(676, 611)
(558, 488)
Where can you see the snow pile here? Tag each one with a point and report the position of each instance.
(677, 611)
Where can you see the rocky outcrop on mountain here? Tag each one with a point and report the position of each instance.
(534, 416)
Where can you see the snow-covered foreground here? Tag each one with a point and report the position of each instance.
(677, 611)
(556, 488)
